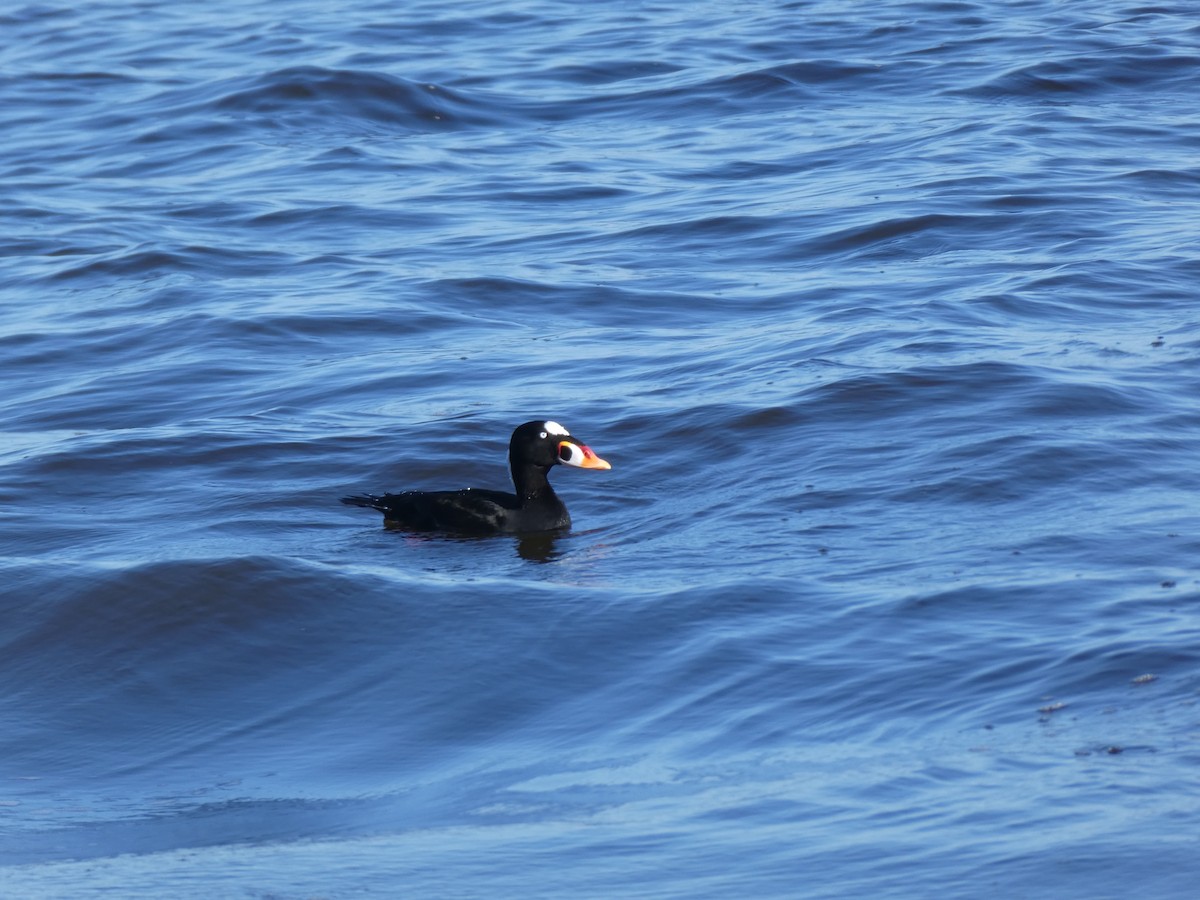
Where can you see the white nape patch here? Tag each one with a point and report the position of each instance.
(556, 429)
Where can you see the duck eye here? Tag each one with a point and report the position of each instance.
(542, 435)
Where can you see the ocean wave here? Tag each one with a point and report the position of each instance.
(319, 95)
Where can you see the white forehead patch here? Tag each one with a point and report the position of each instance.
(555, 429)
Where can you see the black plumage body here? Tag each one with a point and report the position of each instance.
(467, 511)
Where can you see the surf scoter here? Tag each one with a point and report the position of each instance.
(534, 449)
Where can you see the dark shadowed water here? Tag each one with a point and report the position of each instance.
(887, 316)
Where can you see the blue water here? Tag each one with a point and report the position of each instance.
(885, 315)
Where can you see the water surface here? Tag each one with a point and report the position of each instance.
(885, 316)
